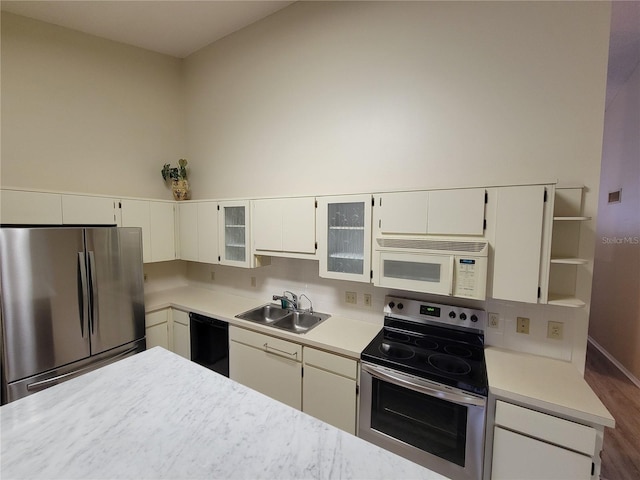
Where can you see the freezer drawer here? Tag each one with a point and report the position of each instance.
(27, 386)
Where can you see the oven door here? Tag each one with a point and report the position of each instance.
(439, 427)
(417, 272)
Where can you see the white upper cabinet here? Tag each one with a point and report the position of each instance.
(402, 212)
(136, 213)
(285, 226)
(344, 237)
(156, 219)
(437, 212)
(198, 231)
(518, 243)
(89, 210)
(208, 232)
(234, 233)
(188, 231)
(163, 231)
(267, 224)
(456, 212)
(30, 208)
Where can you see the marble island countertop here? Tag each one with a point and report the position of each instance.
(157, 415)
(337, 334)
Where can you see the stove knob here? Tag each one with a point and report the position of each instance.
(391, 304)
(452, 314)
(400, 306)
(463, 316)
(474, 318)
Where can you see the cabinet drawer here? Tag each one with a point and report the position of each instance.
(180, 317)
(155, 318)
(269, 344)
(546, 427)
(330, 362)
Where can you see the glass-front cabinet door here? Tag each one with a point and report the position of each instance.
(234, 233)
(344, 234)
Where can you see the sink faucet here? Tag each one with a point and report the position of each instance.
(293, 301)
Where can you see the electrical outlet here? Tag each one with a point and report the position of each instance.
(522, 325)
(351, 297)
(145, 277)
(494, 320)
(213, 276)
(253, 281)
(554, 330)
(367, 299)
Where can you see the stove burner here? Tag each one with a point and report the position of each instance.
(449, 364)
(426, 343)
(396, 350)
(458, 351)
(400, 337)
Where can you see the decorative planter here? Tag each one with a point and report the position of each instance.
(180, 189)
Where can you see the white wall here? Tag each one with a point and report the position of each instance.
(84, 114)
(346, 97)
(321, 98)
(615, 306)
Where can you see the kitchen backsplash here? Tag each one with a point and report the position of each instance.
(301, 276)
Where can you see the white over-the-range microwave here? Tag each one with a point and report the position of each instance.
(451, 266)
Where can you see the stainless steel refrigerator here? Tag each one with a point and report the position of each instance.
(72, 300)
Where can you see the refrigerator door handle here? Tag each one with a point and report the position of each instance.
(37, 386)
(83, 295)
(94, 292)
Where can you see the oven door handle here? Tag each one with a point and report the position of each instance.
(417, 385)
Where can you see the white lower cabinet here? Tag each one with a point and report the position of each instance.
(157, 329)
(267, 364)
(181, 334)
(329, 388)
(532, 445)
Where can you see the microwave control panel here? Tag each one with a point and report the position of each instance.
(469, 277)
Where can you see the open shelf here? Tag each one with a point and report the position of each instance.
(565, 301)
(571, 219)
(569, 261)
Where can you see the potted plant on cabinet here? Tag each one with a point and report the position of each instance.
(178, 178)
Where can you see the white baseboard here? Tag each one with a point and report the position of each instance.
(620, 367)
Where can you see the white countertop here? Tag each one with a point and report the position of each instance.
(337, 334)
(540, 382)
(544, 383)
(157, 415)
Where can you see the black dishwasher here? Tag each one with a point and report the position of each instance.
(210, 343)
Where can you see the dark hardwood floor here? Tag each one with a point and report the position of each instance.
(621, 453)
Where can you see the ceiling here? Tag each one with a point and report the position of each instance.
(179, 28)
(176, 28)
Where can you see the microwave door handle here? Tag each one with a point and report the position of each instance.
(422, 387)
(452, 264)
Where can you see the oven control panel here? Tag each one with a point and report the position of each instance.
(427, 312)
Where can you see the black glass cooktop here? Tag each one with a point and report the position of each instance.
(443, 355)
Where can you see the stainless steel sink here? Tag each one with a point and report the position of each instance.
(300, 322)
(265, 314)
(284, 319)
